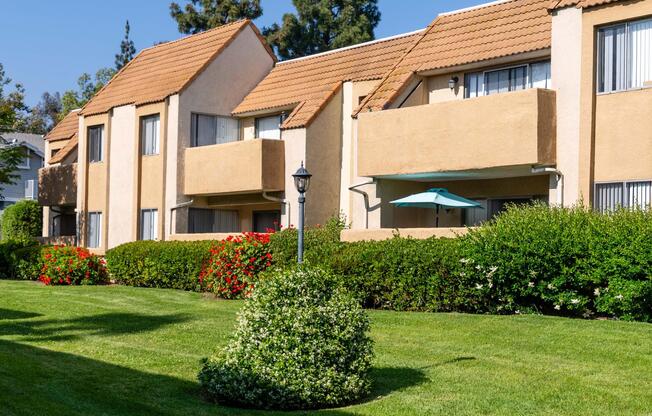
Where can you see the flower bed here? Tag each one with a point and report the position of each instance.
(66, 265)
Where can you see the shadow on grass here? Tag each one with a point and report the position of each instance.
(101, 325)
(13, 314)
(36, 381)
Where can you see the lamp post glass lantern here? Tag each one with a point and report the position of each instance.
(302, 183)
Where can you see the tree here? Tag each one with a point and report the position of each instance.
(127, 50)
(322, 25)
(45, 115)
(13, 110)
(87, 88)
(201, 15)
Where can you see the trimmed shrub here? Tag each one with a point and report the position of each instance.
(320, 243)
(161, 264)
(66, 265)
(235, 264)
(403, 274)
(20, 260)
(301, 343)
(22, 221)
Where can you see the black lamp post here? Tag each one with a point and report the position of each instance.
(302, 183)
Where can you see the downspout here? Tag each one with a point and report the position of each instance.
(365, 195)
(281, 200)
(176, 207)
(558, 174)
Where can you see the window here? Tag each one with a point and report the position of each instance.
(94, 229)
(625, 56)
(31, 189)
(264, 221)
(95, 144)
(535, 75)
(269, 127)
(149, 132)
(148, 224)
(614, 195)
(25, 162)
(213, 221)
(208, 130)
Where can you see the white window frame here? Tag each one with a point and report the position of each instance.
(217, 140)
(90, 243)
(26, 160)
(155, 147)
(101, 145)
(625, 192)
(528, 80)
(599, 53)
(31, 184)
(152, 233)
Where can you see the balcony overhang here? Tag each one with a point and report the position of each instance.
(243, 167)
(58, 185)
(502, 135)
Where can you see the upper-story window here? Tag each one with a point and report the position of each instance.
(269, 127)
(24, 164)
(625, 56)
(95, 144)
(210, 129)
(149, 132)
(535, 75)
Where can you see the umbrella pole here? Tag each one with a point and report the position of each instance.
(437, 217)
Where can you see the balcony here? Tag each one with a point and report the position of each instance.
(248, 166)
(487, 133)
(57, 185)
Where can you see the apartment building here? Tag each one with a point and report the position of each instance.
(506, 102)
(510, 102)
(134, 132)
(58, 178)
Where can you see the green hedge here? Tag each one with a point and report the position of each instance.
(169, 264)
(20, 260)
(21, 221)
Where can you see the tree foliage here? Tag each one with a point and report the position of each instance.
(10, 157)
(127, 50)
(323, 25)
(86, 88)
(200, 15)
(13, 110)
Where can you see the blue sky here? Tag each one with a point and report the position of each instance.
(47, 45)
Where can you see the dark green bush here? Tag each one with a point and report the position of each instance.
(161, 264)
(21, 221)
(301, 343)
(320, 243)
(20, 260)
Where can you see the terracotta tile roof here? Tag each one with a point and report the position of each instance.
(70, 147)
(308, 83)
(165, 69)
(473, 35)
(580, 4)
(65, 129)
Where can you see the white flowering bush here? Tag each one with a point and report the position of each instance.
(301, 343)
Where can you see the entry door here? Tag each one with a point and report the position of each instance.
(266, 220)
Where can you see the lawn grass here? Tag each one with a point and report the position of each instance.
(125, 351)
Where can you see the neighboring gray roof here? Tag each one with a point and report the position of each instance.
(34, 141)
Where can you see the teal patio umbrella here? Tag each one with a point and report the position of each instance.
(436, 198)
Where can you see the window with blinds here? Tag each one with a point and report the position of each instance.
(210, 129)
(269, 127)
(202, 221)
(612, 196)
(149, 224)
(149, 132)
(95, 144)
(534, 75)
(625, 56)
(94, 229)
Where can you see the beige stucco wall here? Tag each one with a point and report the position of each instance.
(352, 235)
(596, 136)
(295, 153)
(239, 167)
(516, 128)
(323, 160)
(623, 136)
(171, 164)
(439, 91)
(121, 203)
